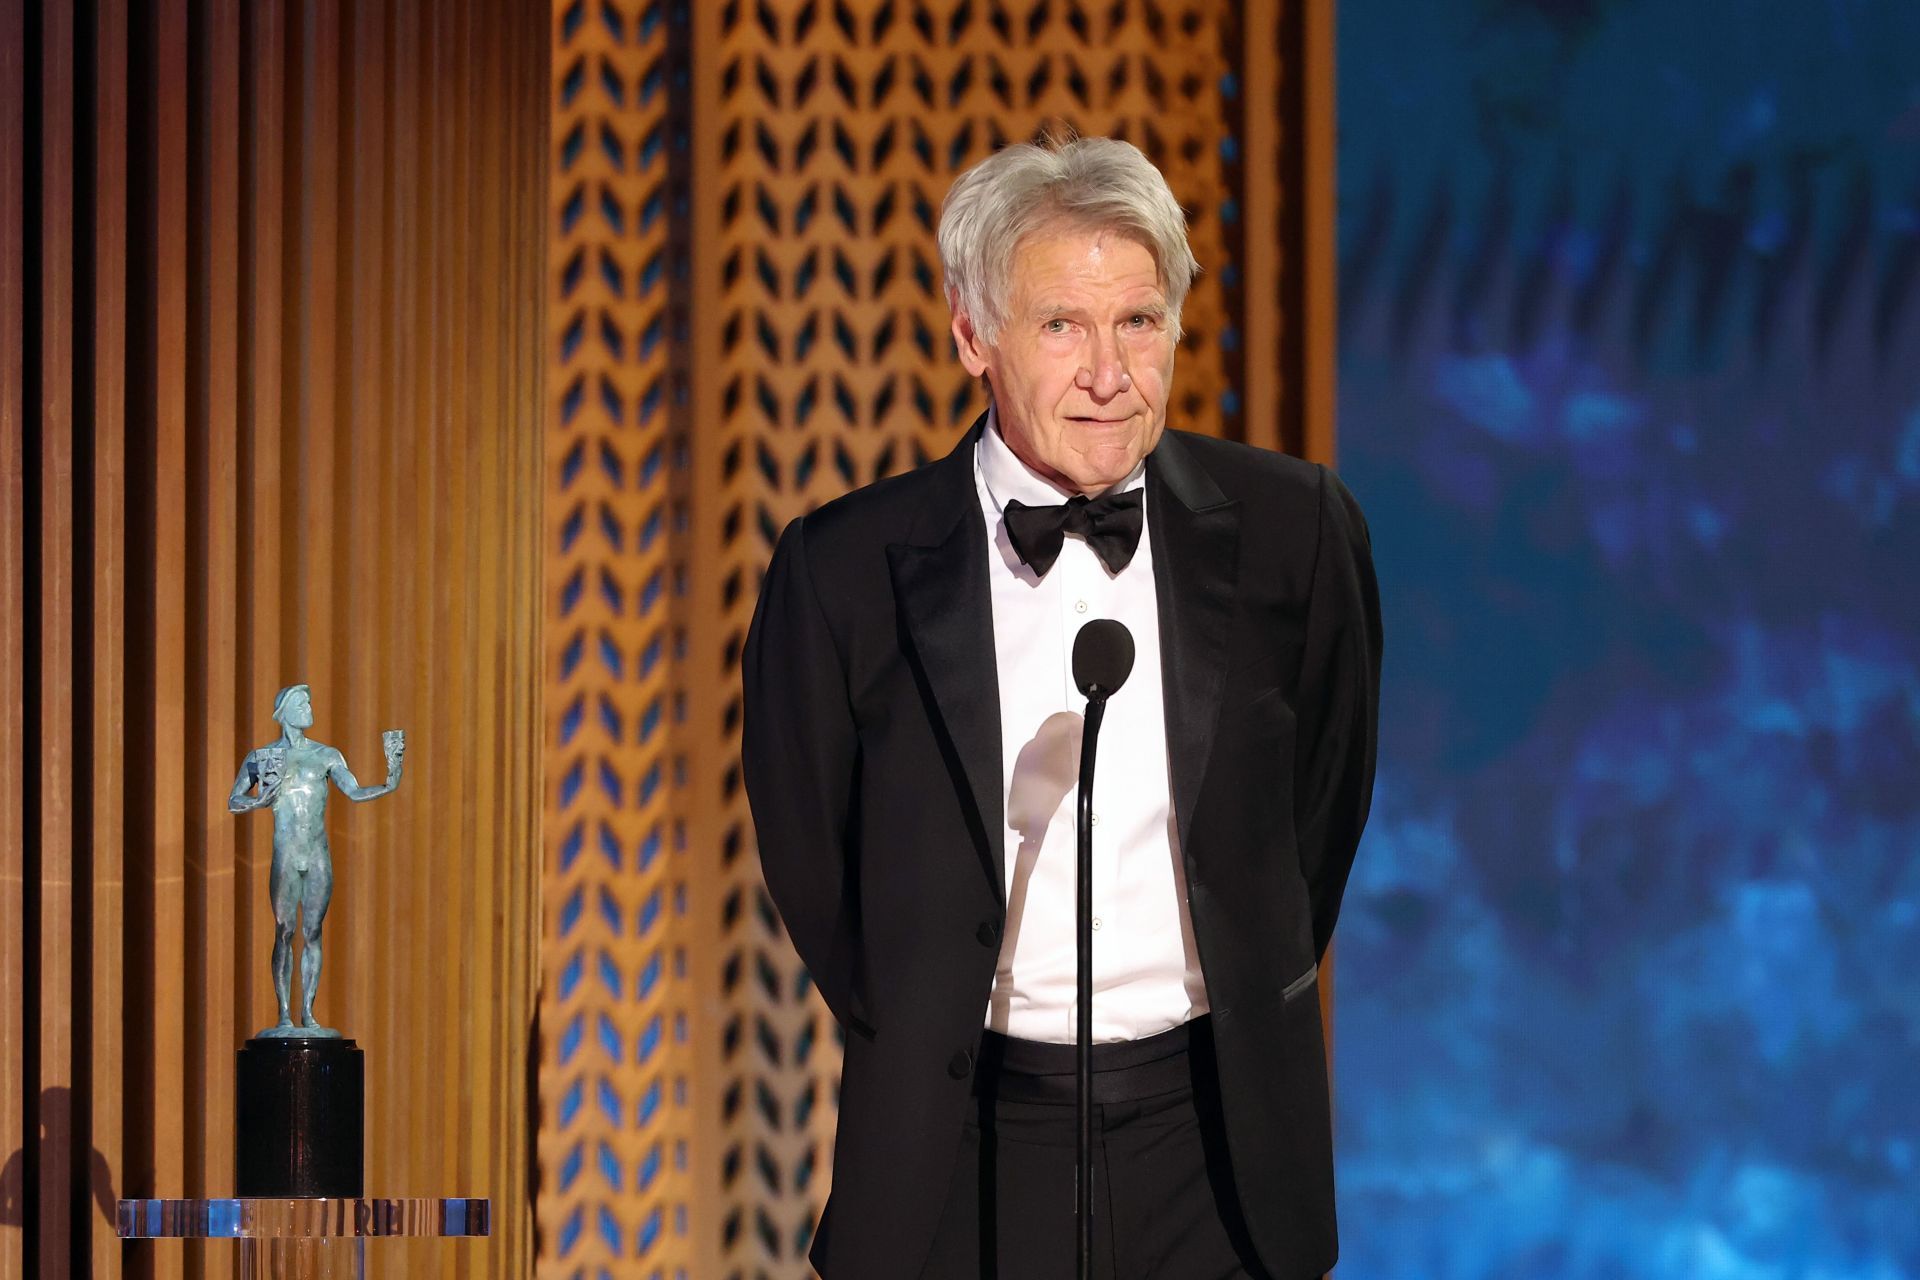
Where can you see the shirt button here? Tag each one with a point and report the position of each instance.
(1096, 922)
(1096, 819)
(987, 934)
(960, 1064)
(1079, 606)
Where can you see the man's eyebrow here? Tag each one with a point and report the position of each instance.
(1058, 311)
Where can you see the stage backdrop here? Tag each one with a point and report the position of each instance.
(1630, 387)
(745, 320)
(270, 296)
(465, 359)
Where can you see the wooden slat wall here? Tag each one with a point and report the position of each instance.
(271, 299)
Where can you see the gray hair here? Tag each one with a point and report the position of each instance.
(1018, 190)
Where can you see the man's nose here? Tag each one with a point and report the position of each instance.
(1105, 375)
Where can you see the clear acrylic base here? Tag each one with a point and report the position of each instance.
(290, 1239)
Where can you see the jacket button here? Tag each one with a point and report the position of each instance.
(960, 1064)
(987, 934)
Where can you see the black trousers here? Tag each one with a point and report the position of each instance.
(1163, 1200)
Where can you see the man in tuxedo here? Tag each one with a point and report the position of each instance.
(911, 744)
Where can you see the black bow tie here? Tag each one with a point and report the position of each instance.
(1110, 523)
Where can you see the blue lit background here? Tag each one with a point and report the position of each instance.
(1629, 971)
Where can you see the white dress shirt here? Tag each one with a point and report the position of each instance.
(1146, 971)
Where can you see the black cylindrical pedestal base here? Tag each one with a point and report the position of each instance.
(300, 1119)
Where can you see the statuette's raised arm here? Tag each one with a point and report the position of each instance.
(395, 744)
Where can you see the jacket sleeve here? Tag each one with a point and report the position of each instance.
(798, 755)
(1339, 705)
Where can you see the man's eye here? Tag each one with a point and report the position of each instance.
(1056, 326)
(1141, 321)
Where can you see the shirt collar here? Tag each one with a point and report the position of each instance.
(1006, 477)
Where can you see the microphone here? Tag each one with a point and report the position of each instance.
(1102, 661)
(1102, 658)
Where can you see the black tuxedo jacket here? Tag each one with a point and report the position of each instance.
(871, 748)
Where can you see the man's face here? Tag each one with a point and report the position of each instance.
(1083, 364)
(298, 711)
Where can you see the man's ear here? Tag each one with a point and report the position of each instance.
(973, 352)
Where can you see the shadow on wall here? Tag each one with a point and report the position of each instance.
(55, 1123)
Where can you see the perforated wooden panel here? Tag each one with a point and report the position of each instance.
(746, 320)
(616, 1015)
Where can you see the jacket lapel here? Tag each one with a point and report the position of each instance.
(946, 610)
(1196, 554)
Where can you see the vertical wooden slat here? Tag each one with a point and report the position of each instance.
(55, 777)
(394, 685)
(450, 571)
(457, 246)
(263, 666)
(1318, 256)
(13, 581)
(442, 694)
(217, 288)
(407, 475)
(436, 764)
(106, 769)
(485, 556)
(310, 143)
(366, 550)
(1261, 252)
(481, 91)
(165, 1092)
(192, 758)
(314, 499)
(1289, 256)
(404, 480)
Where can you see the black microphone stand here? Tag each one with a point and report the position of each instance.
(1102, 659)
(1083, 1039)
